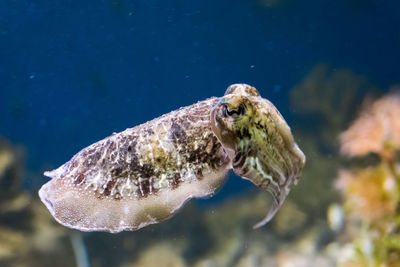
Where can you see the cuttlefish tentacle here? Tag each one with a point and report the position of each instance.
(145, 174)
(259, 142)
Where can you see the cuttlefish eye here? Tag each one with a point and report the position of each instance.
(239, 111)
(228, 117)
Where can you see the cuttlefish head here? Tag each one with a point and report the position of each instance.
(258, 141)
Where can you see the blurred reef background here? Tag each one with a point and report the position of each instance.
(73, 72)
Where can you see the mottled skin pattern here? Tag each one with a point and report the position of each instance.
(144, 174)
(156, 155)
(258, 141)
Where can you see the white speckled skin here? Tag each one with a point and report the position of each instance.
(144, 174)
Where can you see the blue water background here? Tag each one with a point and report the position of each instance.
(73, 72)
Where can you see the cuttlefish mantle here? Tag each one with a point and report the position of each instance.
(145, 174)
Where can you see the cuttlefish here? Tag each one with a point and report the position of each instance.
(145, 174)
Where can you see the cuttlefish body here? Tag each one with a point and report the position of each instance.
(144, 174)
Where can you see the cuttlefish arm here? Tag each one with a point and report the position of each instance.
(259, 143)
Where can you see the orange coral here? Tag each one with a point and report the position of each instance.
(372, 194)
(368, 192)
(377, 130)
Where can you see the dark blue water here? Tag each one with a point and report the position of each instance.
(73, 72)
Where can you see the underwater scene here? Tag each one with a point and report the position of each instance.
(200, 133)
